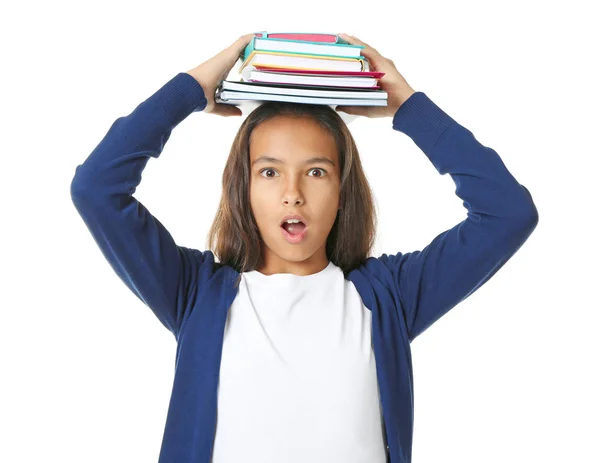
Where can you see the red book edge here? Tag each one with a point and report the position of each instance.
(375, 74)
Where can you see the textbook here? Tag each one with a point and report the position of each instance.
(321, 92)
(377, 75)
(238, 97)
(300, 72)
(301, 61)
(249, 105)
(306, 36)
(306, 78)
(302, 46)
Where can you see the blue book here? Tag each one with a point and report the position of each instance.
(339, 49)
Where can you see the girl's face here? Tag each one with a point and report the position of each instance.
(293, 183)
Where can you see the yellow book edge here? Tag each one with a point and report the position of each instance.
(329, 58)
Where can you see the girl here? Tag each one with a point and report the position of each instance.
(294, 345)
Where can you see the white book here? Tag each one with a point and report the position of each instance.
(254, 87)
(247, 106)
(233, 97)
(250, 74)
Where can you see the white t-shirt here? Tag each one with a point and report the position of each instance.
(298, 378)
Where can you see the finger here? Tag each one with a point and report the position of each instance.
(374, 57)
(233, 53)
(356, 41)
(240, 44)
(355, 110)
(226, 110)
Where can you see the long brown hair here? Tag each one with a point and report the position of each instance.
(234, 236)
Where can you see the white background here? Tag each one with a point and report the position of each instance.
(510, 374)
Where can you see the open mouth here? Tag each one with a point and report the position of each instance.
(293, 228)
(294, 232)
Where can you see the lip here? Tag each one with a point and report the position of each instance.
(293, 216)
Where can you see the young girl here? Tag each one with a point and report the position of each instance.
(294, 344)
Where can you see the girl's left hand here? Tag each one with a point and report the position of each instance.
(392, 82)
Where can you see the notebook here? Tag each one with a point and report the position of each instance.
(301, 62)
(302, 46)
(306, 36)
(375, 74)
(319, 92)
(231, 97)
(247, 106)
(251, 74)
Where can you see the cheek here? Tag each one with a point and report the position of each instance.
(259, 195)
(263, 205)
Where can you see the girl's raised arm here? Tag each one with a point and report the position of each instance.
(138, 247)
(500, 211)
(136, 244)
(501, 215)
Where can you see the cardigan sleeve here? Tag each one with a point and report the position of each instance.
(136, 244)
(501, 216)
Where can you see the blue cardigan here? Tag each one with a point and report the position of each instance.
(190, 293)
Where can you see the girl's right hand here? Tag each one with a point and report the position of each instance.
(210, 74)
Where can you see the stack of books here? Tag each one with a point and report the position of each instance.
(310, 68)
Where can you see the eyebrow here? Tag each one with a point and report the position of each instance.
(313, 160)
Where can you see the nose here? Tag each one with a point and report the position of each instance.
(292, 200)
(292, 195)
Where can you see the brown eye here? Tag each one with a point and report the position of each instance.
(318, 168)
(264, 170)
(312, 170)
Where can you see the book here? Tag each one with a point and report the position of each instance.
(300, 91)
(247, 106)
(298, 61)
(375, 74)
(300, 77)
(306, 36)
(302, 46)
(229, 97)
(251, 74)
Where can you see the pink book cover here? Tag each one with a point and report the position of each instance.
(329, 87)
(306, 36)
